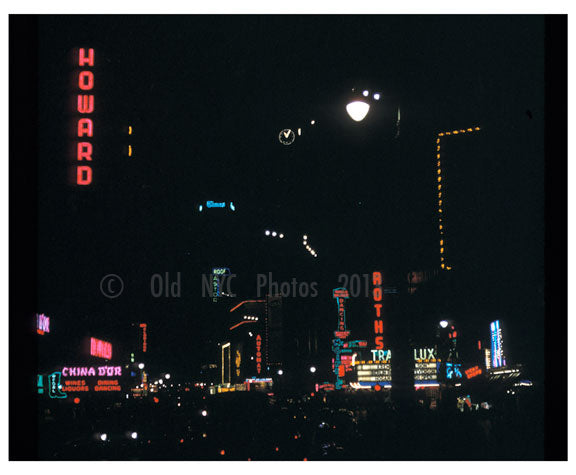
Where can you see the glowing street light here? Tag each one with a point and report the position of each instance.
(134, 435)
(357, 110)
(312, 369)
(167, 375)
(141, 366)
(204, 413)
(443, 323)
(103, 437)
(280, 372)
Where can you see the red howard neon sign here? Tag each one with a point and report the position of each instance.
(85, 126)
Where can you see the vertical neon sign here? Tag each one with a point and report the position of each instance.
(144, 327)
(85, 126)
(258, 354)
(497, 352)
(378, 322)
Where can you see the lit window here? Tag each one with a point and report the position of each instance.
(455, 132)
(441, 250)
(439, 171)
(439, 187)
(447, 133)
(439, 210)
(442, 265)
(439, 178)
(440, 226)
(440, 202)
(438, 148)
(476, 128)
(438, 155)
(440, 195)
(438, 140)
(438, 164)
(441, 242)
(440, 135)
(469, 130)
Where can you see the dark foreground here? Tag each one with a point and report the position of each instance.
(256, 426)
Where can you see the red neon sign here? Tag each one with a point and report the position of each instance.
(377, 297)
(144, 327)
(100, 349)
(473, 372)
(258, 354)
(85, 125)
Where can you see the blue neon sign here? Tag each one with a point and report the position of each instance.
(496, 345)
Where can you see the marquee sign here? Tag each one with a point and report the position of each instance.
(497, 352)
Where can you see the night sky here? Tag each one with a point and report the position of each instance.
(207, 96)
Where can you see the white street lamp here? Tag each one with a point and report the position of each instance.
(443, 323)
(312, 369)
(357, 110)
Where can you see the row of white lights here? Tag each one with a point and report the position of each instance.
(249, 317)
(273, 234)
(308, 248)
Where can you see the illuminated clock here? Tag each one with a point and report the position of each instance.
(286, 137)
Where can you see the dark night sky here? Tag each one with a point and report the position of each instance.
(207, 97)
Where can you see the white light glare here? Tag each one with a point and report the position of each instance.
(141, 366)
(103, 437)
(167, 375)
(312, 122)
(443, 323)
(280, 372)
(267, 233)
(312, 369)
(204, 413)
(281, 236)
(274, 233)
(161, 381)
(377, 96)
(365, 93)
(134, 435)
(357, 110)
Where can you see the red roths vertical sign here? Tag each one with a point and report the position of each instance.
(378, 322)
(85, 107)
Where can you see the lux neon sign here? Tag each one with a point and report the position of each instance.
(85, 126)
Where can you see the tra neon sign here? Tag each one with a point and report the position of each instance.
(378, 322)
(68, 371)
(85, 125)
(42, 324)
(100, 348)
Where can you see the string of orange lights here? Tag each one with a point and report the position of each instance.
(442, 192)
